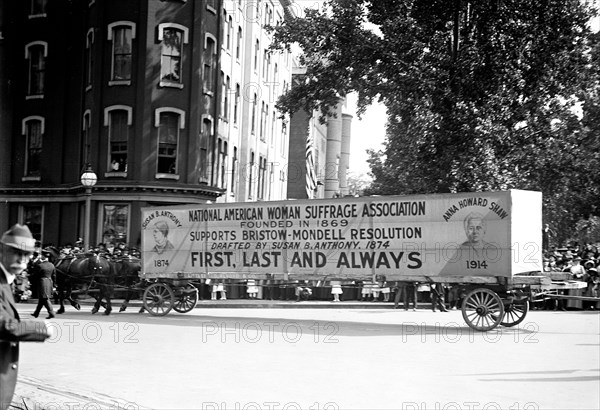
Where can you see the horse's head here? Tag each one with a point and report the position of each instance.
(97, 263)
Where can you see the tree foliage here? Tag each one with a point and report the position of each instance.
(481, 95)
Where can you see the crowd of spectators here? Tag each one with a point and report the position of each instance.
(111, 250)
(579, 263)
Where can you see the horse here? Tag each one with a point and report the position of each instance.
(127, 277)
(85, 272)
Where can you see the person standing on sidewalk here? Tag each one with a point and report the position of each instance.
(16, 247)
(47, 275)
(437, 296)
(408, 291)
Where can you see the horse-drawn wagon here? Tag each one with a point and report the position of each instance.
(487, 243)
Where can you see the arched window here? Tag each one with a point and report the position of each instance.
(253, 122)
(209, 63)
(85, 138)
(224, 165)
(250, 175)
(234, 171)
(118, 119)
(236, 104)
(169, 122)
(238, 47)
(206, 140)
(36, 52)
(121, 33)
(89, 57)
(256, 53)
(173, 36)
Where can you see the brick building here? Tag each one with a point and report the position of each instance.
(169, 102)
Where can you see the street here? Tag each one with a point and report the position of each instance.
(313, 358)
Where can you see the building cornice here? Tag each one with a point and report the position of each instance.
(112, 191)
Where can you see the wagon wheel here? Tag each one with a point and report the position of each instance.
(482, 309)
(185, 299)
(515, 312)
(158, 299)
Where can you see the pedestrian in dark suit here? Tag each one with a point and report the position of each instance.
(16, 246)
(408, 292)
(47, 276)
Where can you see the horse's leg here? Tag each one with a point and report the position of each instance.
(74, 303)
(126, 301)
(108, 305)
(97, 305)
(68, 295)
(105, 294)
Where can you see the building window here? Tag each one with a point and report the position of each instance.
(261, 130)
(226, 87)
(217, 157)
(118, 131)
(234, 170)
(256, 53)
(223, 94)
(33, 129)
(118, 119)
(36, 52)
(122, 54)
(115, 224)
(253, 123)
(33, 217)
(283, 138)
(89, 58)
(209, 63)
(238, 47)
(85, 138)
(173, 36)
(205, 141)
(168, 121)
(121, 33)
(236, 104)
(225, 31)
(251, 175)
(261, 176)
(223, 154)
(38, 8)
(273, 122)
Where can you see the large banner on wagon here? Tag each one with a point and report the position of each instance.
(479, 234)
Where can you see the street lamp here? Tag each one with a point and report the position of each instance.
(88, 180)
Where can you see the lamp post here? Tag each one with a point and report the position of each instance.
(88, 180)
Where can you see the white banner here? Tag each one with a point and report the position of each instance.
(478, 234)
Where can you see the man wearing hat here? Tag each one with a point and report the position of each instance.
(16, 247)
(47, 274)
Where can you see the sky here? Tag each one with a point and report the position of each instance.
(366, 133)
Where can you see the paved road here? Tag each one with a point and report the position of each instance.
(313, 358)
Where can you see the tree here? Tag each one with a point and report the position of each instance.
(357, 183)
(481, 95)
